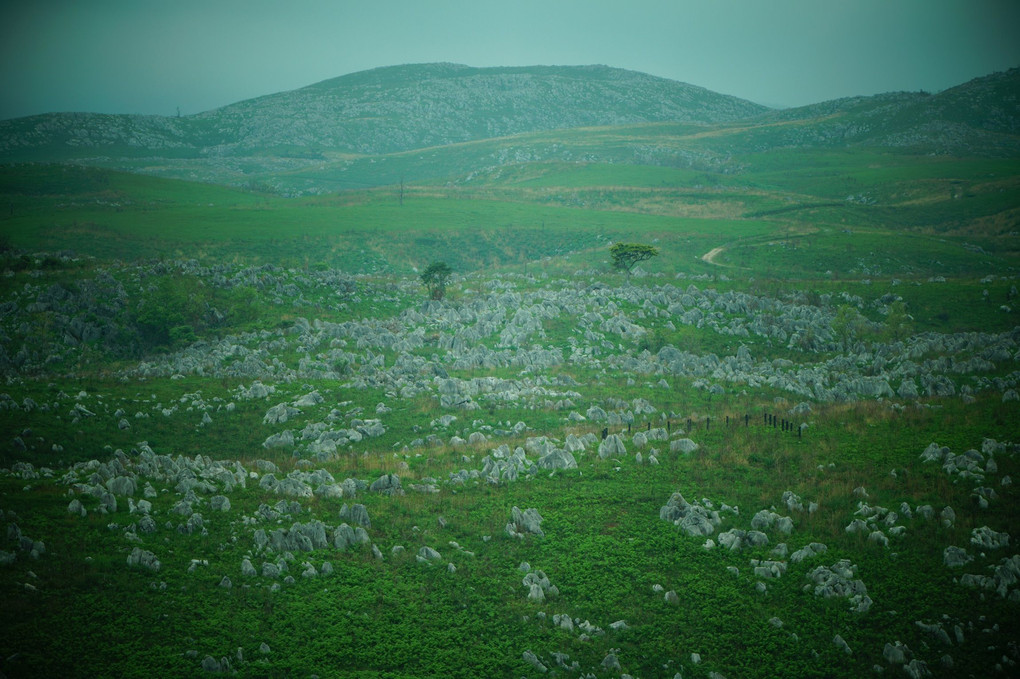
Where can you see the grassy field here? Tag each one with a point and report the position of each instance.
(322, 294)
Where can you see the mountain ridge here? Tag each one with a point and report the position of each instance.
(401, 108)
(398, 108)
(367, 117)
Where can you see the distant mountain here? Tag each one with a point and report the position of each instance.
(980, 117)
(431, 122)
(385, 110)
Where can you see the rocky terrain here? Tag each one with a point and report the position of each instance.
(239, 436)
(273, 459)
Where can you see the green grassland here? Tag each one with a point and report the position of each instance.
(818, 229)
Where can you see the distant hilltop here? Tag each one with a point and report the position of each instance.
(335, 125)
(398, 108)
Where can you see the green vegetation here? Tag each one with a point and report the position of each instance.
(628, 255)
(434, 279)
(864, 298)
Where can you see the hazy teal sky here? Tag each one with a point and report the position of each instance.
(153, 56)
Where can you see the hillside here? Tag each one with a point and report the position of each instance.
(385, 110)
(237, 436)
(980, 117)
(443, 122)
(397, 109)
(240, 439)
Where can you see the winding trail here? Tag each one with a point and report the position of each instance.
(710, 256)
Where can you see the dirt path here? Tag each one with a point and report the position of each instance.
(711, 255)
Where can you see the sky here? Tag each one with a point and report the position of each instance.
(167, 57)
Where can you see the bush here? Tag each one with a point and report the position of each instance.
(175, 305)
(181, 335)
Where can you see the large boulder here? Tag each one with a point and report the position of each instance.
(356, 514)
(685, 446)
(144, 559)
(838, 581)
(557, 459)
(310, 399)
(77, 508)
(573, 444)
(522, 523)
(611, 446)
(284, 439)
(279, 414)
(387, 484)
(954, 557)
(693, 519)
(122, 485)
(986, 538)
(808, 551)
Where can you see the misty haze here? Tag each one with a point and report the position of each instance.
(440, 370)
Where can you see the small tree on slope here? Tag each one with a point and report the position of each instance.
(434, 279)
(627, 255)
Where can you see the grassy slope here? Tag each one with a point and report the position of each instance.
(605, 546)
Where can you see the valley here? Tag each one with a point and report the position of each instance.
(239, 437)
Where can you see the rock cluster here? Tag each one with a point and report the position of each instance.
(524, 523)
(838, 581)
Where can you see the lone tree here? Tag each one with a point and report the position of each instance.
(899, 325)
(627, 255)
(434, 279)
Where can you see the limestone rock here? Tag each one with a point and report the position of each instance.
(611, 446)
(522, 523)
(144, 559)
(279, 414)
(558, 459)
(684, 446)
(809, 551)
(955, 557)
(356, 514)
(76, 507)
(694, 519)
(387, 484)
(284, 439)
(986, 538)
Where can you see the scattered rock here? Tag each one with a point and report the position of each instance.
(611, 446)
(524, 523)
(356, 514)
(684, 446)
(954, 557)
(387, 484)
(693, 519)
(144, 559)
